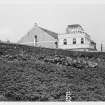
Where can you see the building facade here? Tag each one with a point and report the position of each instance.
(40, 37)
(76, 39)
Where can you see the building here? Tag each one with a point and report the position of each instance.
(40, 37)
(76, 39)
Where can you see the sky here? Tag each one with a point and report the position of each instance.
(17, 17)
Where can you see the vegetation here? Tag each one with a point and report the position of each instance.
(40, 74)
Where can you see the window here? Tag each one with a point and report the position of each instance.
(65, 41)
(35, 38)
(74, 40)
(82, 40)
(56, 44)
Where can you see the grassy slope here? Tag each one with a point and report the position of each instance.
(27, 78)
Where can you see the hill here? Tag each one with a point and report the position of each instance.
(40, 74)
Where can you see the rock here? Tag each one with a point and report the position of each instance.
(98, 59)
(92, 64)
(69, 59)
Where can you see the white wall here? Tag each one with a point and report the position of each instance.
(44, 39)
(70, 44)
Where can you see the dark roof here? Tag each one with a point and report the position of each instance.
(53, 34)
(74, 26)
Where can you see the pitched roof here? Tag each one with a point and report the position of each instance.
(53, 34)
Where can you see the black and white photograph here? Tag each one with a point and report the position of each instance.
(52, 51)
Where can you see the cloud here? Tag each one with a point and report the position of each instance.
(50, 1)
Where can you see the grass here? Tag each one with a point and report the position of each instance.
(24, 77)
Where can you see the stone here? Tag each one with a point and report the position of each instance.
(92, 64)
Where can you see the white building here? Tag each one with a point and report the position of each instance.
(40, 37)
(75, 39)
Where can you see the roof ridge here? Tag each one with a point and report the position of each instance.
(47, 30)
(53, 34)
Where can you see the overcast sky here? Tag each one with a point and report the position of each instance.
(17, 17)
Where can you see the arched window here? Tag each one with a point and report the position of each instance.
(74, 40)
(65, 41)
(82, 40)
